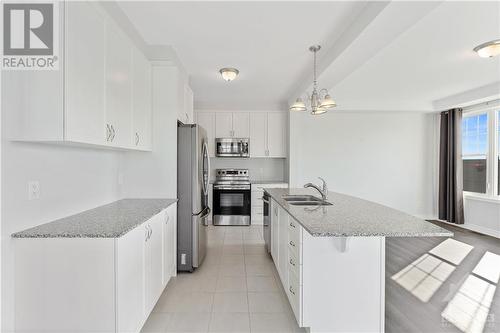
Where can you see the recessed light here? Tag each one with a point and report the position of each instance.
(488, 49)
(229, 73)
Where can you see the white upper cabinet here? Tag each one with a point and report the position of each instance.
(118, 87)
(84, 79)
(241, 125)
(93, 99)
(142, 109)
(258, 134)
(224, 125)
(276, 134)
(207, 121)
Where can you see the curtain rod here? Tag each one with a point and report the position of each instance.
(481, 106)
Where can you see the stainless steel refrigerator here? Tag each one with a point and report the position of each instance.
(193, 173)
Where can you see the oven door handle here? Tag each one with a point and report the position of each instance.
(265, 200)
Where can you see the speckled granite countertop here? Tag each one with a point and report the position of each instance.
(108, 221)
(351, 216)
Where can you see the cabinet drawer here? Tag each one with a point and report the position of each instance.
(294, 292)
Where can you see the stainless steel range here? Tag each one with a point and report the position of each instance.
(231, 197)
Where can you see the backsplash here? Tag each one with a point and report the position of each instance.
(261, 169)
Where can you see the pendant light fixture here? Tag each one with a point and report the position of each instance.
(319, 101)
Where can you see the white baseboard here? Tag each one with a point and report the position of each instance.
(474, 227)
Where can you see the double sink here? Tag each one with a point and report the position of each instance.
(305, 200)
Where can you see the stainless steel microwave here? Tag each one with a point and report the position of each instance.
(232, 147)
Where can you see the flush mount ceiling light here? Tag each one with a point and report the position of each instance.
(488, 49)
(319, 101)
(229, 74)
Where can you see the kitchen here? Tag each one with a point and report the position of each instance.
(163, 177)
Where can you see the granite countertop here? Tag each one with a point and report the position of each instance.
(351, 216)
(109, 221)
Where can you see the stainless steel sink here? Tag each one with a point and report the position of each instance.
(301, 197)
(310, 203)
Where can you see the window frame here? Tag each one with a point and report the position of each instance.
(492, 153)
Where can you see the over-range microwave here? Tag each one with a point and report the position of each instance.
(232, 147)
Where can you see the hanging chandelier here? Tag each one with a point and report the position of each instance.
(319, 101)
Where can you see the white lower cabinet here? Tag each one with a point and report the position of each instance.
(94, 284)
(256, 200)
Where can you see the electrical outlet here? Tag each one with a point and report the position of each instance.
(33, 190)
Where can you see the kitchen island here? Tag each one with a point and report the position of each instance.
(331, 258)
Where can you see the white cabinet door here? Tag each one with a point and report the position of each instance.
(154, 261)
(84, 74)
(241, 125)
(118, 87)
(223, 124)
(188, 105)
(142, 114)
(207, 121)
(276, 134)
(169, 243)
(275, 227)
(258, 134)
(129, 250)
(283, 246)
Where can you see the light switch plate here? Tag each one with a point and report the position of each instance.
(33, 190)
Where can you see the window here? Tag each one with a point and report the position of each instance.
(474, 152)
(481, 150)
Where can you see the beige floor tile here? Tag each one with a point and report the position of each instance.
(230, 322)
(157, 323)
(232, 259)
(257, 259)
(265, 302)
(236, 269)
(255, 249)
(259, 270)
(232, 249)
(231, 284)
(230, 302)
(270, 322)
(189, 322)
(197, 302)
(261, 283)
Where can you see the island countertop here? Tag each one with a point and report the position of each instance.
(350, 216)
(109, 221)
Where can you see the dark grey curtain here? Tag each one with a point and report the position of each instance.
(451, 205)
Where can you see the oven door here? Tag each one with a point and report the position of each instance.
(231, 205)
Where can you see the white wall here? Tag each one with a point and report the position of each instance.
(385, 157)
(71, 180)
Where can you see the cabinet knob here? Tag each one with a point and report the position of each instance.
(108, 132)
(292, 243)
(136, 138)
(113, 133)
(292, 262)
(292, 225)
(291, 290)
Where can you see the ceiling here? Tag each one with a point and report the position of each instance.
(375, 56)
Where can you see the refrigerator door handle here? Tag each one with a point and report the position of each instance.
(203, 212)
(206, 213)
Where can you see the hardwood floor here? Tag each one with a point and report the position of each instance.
(418, 294)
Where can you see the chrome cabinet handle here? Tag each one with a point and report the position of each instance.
(292, 225)
(112, 138)
(147, 233)
(136, 138)
(108, 132)
(291, 290)
(292, 243)
(292, 262)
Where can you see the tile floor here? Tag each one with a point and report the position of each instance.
(236, 289)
